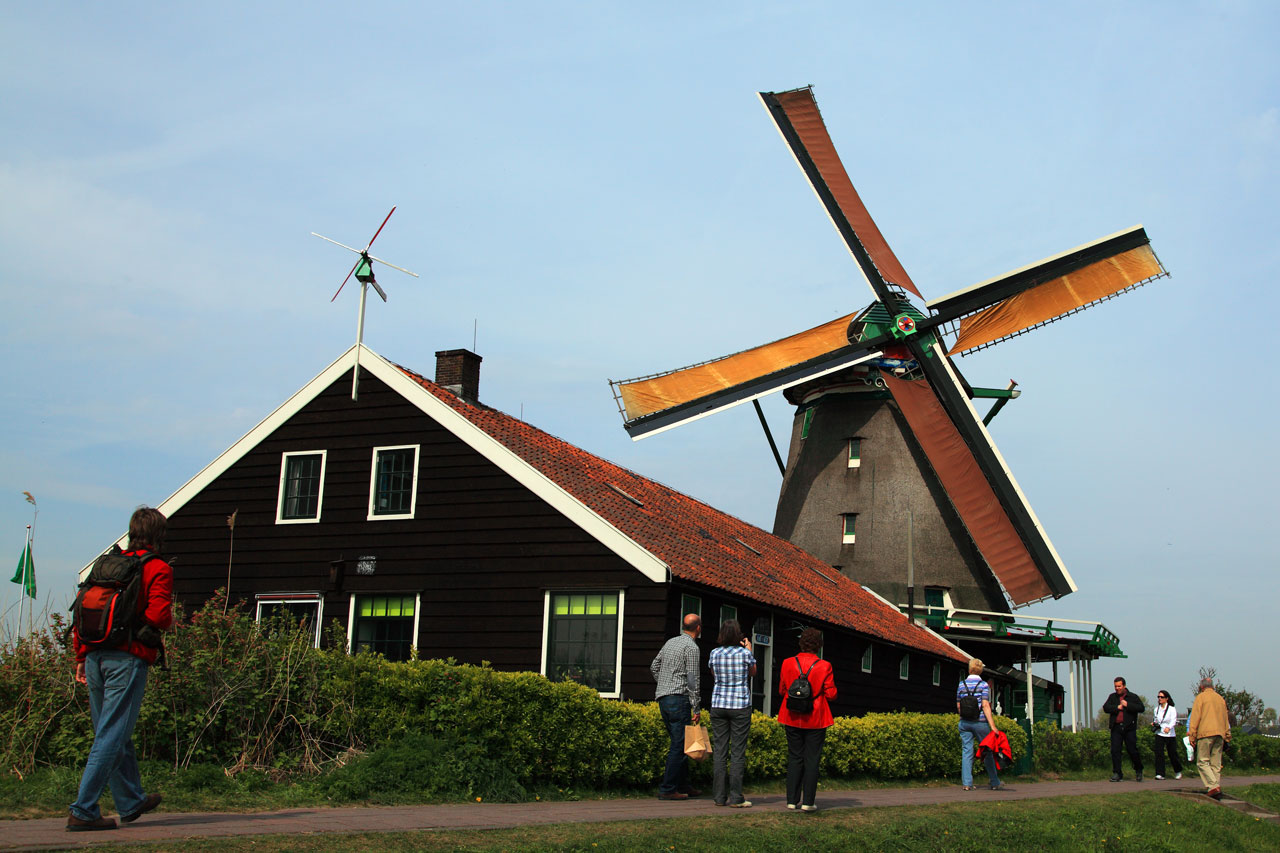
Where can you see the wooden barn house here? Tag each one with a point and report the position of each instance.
(420, 519)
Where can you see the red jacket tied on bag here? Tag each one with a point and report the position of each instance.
(823, 681)
(155, 604)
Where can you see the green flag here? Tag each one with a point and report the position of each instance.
(26, 573)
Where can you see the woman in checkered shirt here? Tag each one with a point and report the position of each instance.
(733, 664)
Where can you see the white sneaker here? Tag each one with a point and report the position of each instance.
(1159, 777)
(808, 808)
(791, 806)
(745, 804)
(1177, 775)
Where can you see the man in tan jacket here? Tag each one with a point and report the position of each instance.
(1208, 729)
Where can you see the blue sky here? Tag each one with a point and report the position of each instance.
(594, 191)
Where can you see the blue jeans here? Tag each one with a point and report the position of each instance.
(677, 713)
(116, 680)
(971, 733)
(730, 728)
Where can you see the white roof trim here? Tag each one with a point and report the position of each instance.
(490, 448)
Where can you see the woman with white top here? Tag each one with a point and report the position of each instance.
(1165, 721)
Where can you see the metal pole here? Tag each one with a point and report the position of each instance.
(1071, 677)
(911, 570)
(355, 373)
(1031, 702)
(782, 469)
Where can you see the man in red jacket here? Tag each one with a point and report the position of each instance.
(117, 679)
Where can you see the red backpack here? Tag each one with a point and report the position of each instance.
(108, 609)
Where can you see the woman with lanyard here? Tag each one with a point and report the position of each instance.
(1164, 722)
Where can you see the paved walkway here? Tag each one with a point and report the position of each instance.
(51, 834)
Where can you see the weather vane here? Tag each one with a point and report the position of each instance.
(363, 271)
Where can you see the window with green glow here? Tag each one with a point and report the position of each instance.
(384, 624)
(582, 639)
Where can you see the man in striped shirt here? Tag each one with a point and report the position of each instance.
(675, 670)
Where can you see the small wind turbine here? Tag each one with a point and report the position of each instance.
(363, 271)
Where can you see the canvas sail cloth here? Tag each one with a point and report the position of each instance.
(1056, 297)
(642, 397)
(990, 527)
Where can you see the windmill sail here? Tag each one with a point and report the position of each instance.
(983, 492)
(798, 120)
(1035, 295)
(655, 403)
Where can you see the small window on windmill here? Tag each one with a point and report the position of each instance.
(850, 522)
(808, 422)
(366, 565)
(855, 453)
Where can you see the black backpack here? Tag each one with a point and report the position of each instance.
(106, 612)
(800, 693)
(969, 706)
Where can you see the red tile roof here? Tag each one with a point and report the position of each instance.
(699, 543)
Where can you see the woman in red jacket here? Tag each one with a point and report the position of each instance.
(806, 731)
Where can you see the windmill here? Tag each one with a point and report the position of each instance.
(885, 429)
(363, 271)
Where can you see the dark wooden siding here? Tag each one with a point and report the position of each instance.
(481, 548)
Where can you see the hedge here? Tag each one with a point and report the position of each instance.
(241, 695)
(1058, 750)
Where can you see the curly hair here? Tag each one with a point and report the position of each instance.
(811, 640)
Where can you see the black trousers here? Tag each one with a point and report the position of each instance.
(1170, 745)
(804, 751)
(1129, 737)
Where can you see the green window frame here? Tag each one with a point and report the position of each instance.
(690, 604)
(806, 423)
(583, 638)
(866, 658)
(727, 612)
(849, 526)
(384, 624)
(855, 452)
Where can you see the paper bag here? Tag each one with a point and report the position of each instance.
(696, 743)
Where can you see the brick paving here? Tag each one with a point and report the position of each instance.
(51, 834)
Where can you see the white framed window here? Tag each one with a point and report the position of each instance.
(937, 673)
(393, 482)
(849, 522)
(690, 604)
(384, 623)
(582, 638)
(855, 452)
(866, 659)
(304, 608)
(301, 487)
(904, 667)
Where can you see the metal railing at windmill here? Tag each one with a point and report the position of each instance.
(363, 271)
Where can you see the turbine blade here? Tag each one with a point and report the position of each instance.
(393, 266)
(335, 242)
(798, 120)
(379, 231)
(347, 279)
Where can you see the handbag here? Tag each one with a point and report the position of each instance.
(697, 745)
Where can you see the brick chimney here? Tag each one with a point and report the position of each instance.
(458, 370)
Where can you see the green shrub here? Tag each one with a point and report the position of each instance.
(422, 766)
(903, 745)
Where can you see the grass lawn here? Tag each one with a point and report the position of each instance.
(1147, 821)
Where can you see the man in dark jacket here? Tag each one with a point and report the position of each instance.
(1124, 708)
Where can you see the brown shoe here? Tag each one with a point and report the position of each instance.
(674, 795)
(692, 792)
(148, 804)
(75, 824)
(1216, 793)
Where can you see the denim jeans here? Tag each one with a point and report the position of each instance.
(677, 713)
(971, 734)
(730, 728)
(116, 681)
